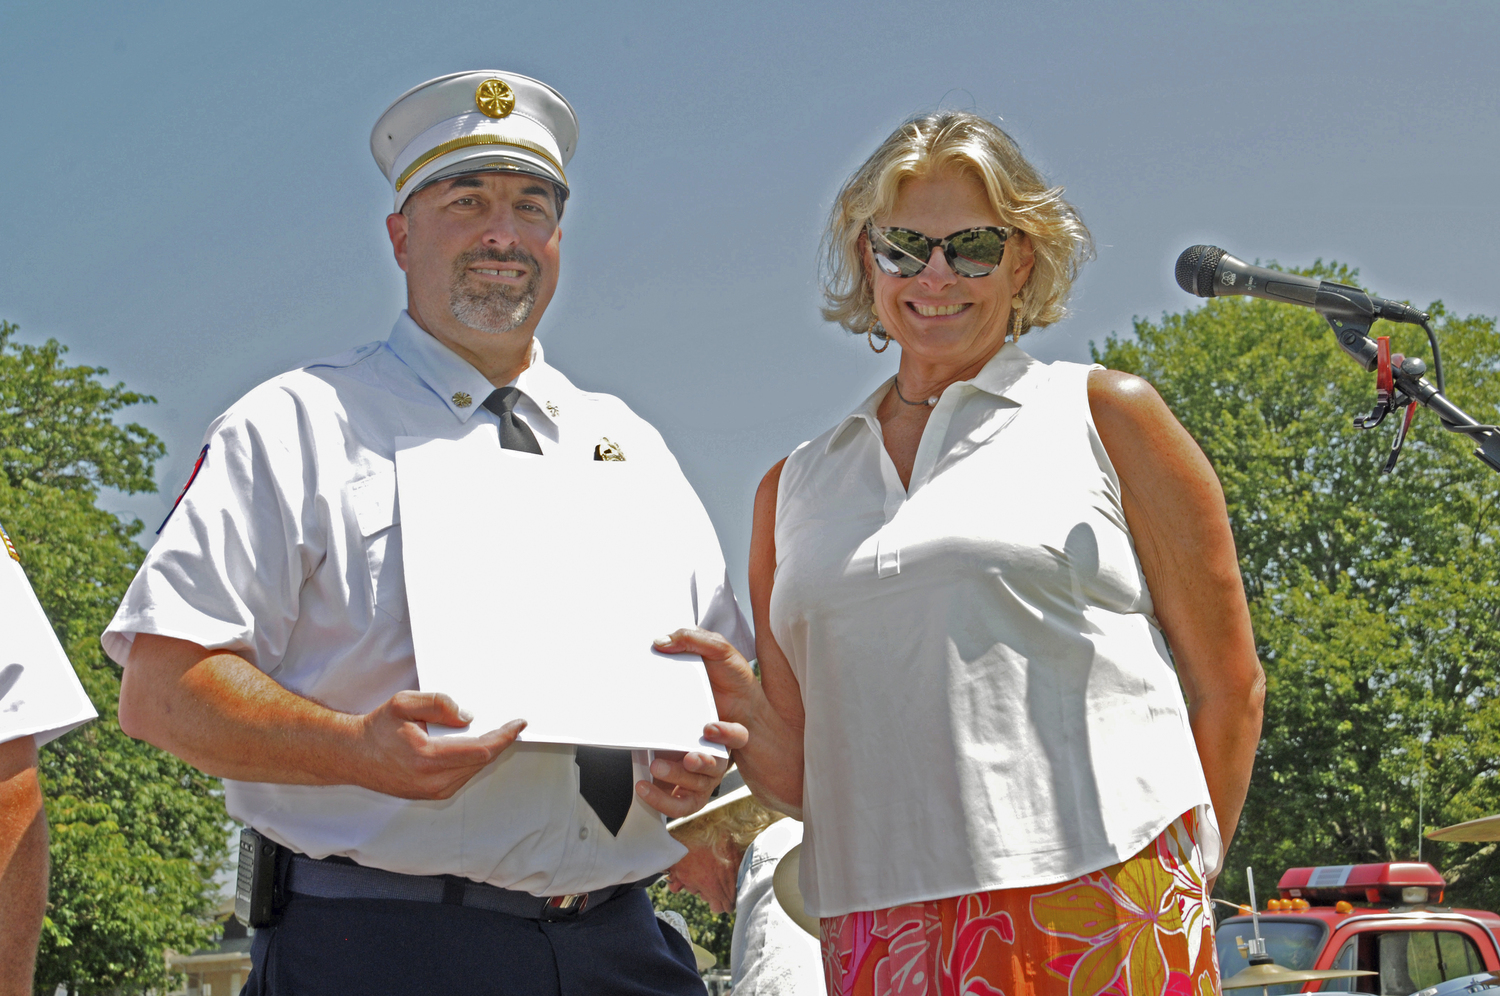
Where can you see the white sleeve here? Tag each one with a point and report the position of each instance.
(722, 614)
(713, 597)
(227, 570)
(40, 696)
(774, 956)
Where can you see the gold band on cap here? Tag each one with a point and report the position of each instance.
(471, 140)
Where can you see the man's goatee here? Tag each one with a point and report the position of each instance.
(499, 308)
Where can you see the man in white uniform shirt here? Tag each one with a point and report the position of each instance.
(265, 639)
(40, 700)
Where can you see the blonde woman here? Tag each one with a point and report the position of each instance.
(964, 597)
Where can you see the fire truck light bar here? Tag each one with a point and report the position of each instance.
(1390, 882)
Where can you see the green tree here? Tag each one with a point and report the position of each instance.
(1376, 600)
(137, 835)
(709, 929)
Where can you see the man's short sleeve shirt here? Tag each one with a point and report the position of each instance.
(286, 550)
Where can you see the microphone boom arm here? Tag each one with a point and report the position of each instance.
(1351, 327)
(1410, 382)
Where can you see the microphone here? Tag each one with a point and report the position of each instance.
(1209, 271)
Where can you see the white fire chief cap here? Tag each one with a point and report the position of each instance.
(474, 122)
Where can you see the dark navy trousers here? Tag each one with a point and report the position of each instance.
(371, 947)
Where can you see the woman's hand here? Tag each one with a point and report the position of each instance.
(760, 719)
(683, 783)
(765, 749)
(736, 690)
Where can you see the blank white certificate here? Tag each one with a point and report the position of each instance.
(40, 695)
(535, 586)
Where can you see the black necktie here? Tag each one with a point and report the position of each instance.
(514, 434)
(606, 779)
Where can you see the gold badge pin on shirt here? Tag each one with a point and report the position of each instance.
(607, 450)
(551, 409)
(461, 399)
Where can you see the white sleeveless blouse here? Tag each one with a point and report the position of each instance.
(990, 703)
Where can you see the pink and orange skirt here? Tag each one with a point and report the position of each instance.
(1138, 928)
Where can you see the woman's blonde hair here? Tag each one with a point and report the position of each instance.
(968, 144)
(729, 830)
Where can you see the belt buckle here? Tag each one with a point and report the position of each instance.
(565, 907)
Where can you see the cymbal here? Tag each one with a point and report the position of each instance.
(1486, 828)
(789, 893)
(1276, 975)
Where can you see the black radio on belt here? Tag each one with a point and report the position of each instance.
(254, 889)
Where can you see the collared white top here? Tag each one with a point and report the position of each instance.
(990, 703)
(40, 695)
(286, 550)
(769, 955)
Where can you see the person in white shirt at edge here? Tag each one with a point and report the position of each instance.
(964, 595)
(265, 638)
(40, 700)
(734, 845)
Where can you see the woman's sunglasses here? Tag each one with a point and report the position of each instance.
(973, 252)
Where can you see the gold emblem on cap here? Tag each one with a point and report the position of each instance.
(461, 399)
(552, 409)
(495, 98)
(608, 450)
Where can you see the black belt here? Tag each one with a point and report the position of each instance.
(339, 878)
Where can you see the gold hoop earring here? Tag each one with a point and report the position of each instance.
(874, 329)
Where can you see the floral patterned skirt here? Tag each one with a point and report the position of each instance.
(1138, 928)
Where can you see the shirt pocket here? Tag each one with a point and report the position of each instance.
(378, 512)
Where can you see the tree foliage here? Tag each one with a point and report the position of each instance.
(59, 428)
(709, 929)
(1376, 600)
(136, 835)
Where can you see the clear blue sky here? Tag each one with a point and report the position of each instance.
(189, 198)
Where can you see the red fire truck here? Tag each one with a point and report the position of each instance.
(1384, 918)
